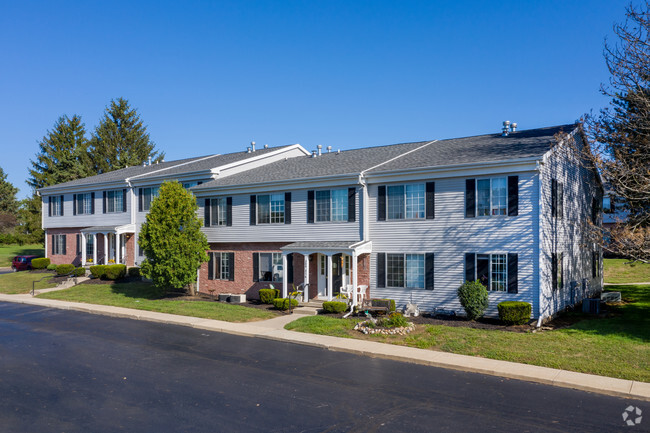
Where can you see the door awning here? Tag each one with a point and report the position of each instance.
(328, 247)
(118, 230)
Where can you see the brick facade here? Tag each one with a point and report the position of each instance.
(72, 256)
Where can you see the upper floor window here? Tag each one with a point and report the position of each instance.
(411, 201)
(557, 199)
(115, 201)
(218, 208)
(188, 185)
(497, 196)
(270, 209)
(146, 196)
(332, 205)
(84, 204)
(55, 205)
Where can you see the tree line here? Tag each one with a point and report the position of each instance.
(66, 153)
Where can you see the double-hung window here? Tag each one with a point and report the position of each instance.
(58, 244)
(221, 266)
(90, 246)
(56, 205)
(218, 210)
(270, 209)
(405, 201)
(114, 200)
(268, 267)
(83, 204)
(497, 272)
(332, 205)
(405, 270)
(491, 197)
(146, 197)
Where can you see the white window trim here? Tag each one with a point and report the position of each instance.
(424, 273)
(214, 202)
(108, 200)
(491, 197)
(424, 210)
(489, 288)
(259, 267)
(330, 221)
(257, 208)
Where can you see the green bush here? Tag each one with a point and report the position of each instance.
(40, 263)
(514, 312)
(64, 269)
(98, 271)
(51, 267)
(115, 272)
(334, 307)
(134, 272)
(392, 303)
(474, 298)
(268, 295)
(283, 303)
(395, 320)
(79, 272)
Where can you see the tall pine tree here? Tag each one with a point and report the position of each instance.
(121, 140)
(8, 202)
(62, 156)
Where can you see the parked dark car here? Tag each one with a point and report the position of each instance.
(22, 263)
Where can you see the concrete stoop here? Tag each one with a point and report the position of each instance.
(306, 310)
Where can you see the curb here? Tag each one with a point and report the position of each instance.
(511, 370)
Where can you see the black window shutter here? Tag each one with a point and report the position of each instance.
(428, 259)
(289, 273)
(381, 270)
(554, 270)
(554, 198)
(381, 203)
(49, 206)
(217, 266)
(512, 273)
(256, 266)
(78, 244)
(310, 207)
(92, 203)
(53, 242)
(594, 264)
(431, 200)
(231, 266)
(74, 204)
(352, 205)
(211, 266)
(62, 205)
(253, 210)
(65, 238)
(206, 213)
(513, 195)
(124, 200)
(229, 212)
(287, 208)
(560, 200)
(470, 198)
(140, 199)
(470, 266)
(104, 207)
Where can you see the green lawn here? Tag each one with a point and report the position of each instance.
(617, 272)
(21, 282)
(144, 296)
(617, 346)
(8, 252)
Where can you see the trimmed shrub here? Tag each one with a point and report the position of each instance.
(98, 271)
(514, 312)
(79, 272)
(64, 269)
(268, 295)
(134, 272)
(115, 272)
(395, 320)
(392, 303)
(40, 263)
(51, 267)
(334, 307)
(283, 303)
(474, 298)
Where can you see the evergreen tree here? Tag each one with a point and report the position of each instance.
(62, 156)
(8, 202)
(29, 219)
(121, 140)
(171, 238)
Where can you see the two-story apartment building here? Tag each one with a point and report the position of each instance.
(409, 221)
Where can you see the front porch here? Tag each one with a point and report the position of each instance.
(117, 245)
(331, 267)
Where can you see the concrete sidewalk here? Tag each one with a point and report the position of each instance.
(273, 329)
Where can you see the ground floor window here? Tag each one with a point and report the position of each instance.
(405, 270)
(90, 246)
(267, 267)
(491, 270)
(221, 266)
(58, 244)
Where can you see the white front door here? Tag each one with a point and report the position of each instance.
(322, 276)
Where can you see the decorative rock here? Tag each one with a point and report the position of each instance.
(365, 329)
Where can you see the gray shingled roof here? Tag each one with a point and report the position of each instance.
(481, 148)
(171, 168)
(328, 164)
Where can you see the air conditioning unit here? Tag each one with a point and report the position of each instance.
(591, 306)
(239, 298)
(610, 296)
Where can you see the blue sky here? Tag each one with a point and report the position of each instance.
(209, 77)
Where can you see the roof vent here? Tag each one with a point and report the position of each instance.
(266, 146)
(313, 154)
(508, 128)
(319, 147)
(144, 163)
(253, 145)
(149, 160)
(338, 151)
(329, 149)
(248, 149)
